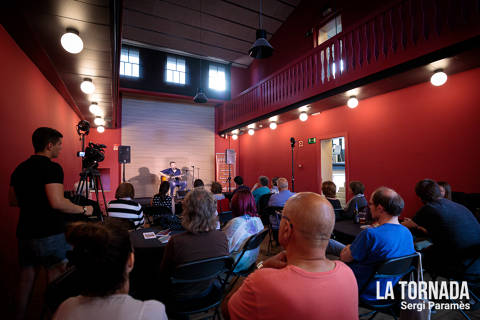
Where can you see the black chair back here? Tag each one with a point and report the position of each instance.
(263, 203)
(201, 270)
(252, 243)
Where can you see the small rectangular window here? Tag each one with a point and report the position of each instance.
(329, 30)
(130, 63)
(216, 78)
(175, 71)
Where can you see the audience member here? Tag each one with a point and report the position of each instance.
(445, 190)
(162, 199)
(260, 188)
(202, 240)
(36, 186)
(329, 190)
(274, 185)
(358, 202)
(239, 183)
(374, 245)
(103, 257)
(123, 207)
(216, 189)
(300, 281)
(453, 229)
(198, 183)
(244, 224)
(279, 199)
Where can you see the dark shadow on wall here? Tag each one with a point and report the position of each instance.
(146, 183)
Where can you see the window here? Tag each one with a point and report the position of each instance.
(175, 72)
(329, 30)
(130, 63)
(216, 78)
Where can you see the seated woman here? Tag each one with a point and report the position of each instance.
(244, 224)
(103, 257)
(216, 189)
(445, 190)
(329, 190)
(201, 241)
(162, 199)
(125, 208)
(358, 202)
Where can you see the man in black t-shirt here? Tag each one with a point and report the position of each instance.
(453, 229)
(36, 186)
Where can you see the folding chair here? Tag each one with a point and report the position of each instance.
(273, 222)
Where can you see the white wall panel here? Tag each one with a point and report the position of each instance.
(159, 132)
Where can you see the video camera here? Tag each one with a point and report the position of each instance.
(94, 154)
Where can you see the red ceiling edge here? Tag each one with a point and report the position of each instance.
(165, 95)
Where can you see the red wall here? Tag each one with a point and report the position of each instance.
(393, 139)
(239, 80)
(27, 101)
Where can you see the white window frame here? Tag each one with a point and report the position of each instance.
(215, 74)
(176, 70)
(130, 63)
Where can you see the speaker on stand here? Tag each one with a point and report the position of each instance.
(230, 159)
(124, 157)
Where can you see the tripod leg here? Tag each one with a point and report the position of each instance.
(103, 195)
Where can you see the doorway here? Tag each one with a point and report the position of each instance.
(333, 164)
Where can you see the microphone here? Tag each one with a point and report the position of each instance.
(292, 141)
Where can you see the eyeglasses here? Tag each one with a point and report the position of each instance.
(288, 219)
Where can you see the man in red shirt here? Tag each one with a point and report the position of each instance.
(299, 282)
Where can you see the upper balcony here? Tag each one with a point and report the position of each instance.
(408, 30)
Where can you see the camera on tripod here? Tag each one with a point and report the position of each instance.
(93, 154)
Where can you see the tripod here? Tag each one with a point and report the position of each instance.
(292, 144)
(90, 174)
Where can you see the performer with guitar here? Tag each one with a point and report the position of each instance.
(173, 174)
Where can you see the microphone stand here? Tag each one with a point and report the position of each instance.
(292, 143)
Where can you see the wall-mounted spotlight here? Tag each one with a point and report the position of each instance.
(352, 102)
(438, 78)
(71, 41)
(251, 132)
(234, 137)
(101, 129)
(99, 121)
(303, 116)
(273, 125)
(87, 86)
(251, 126)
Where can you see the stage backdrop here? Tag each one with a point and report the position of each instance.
(159, 132)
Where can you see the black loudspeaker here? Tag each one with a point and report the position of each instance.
(230, 156)
(124, 154)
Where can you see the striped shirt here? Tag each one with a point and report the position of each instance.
(126, 208)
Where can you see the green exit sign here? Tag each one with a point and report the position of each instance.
(312, 140)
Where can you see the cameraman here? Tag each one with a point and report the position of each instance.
(36, 186)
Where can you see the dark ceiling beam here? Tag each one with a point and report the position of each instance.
(187, 24)
(287, 3)
(186, 39)
(253, 10)
(212, 15)
(116, 45)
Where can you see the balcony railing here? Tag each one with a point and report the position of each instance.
(407, 30)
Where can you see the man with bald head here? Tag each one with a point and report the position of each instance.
(279, 199)
(374, 245)
(299, 281)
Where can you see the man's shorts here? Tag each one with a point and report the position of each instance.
(46, 252)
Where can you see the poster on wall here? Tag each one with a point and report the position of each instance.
(223, 171)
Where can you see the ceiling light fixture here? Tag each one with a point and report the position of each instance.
(352, 102)
(236, 131)
(234, 137)
(99, 121)
(101, 129)
(251, 126)
(87, 86)
(71, 41)
(438, 78)
(261, 48)
(303, 116)
(251, 132)
(200, 97)
(95, 109)
(273, 125)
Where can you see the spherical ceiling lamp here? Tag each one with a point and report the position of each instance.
(261, 48)
(71, 41)
(101, 129)
(87, 86)
(273, 125)
(234, 137)
(303, 116)
(99, 121)
(251, 132)
(352, 102)
(438, 78)
(95, 109)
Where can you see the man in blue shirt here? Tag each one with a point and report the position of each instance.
(260, 188)
(173, 174)
(374, 245)
(279, 199)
